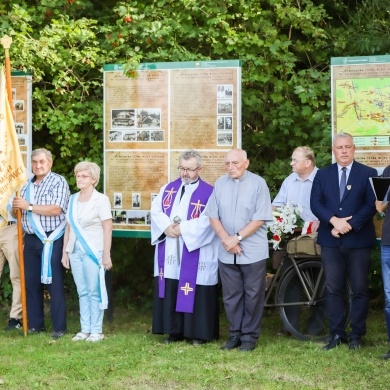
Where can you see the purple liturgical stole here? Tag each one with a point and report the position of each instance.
(167, 202)
(190, 260)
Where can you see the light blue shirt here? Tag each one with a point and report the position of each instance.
(297, 191)
(236, 203)
(340, 170)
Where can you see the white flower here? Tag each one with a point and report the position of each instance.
(285, 220)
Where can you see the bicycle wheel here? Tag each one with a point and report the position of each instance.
(304, 319)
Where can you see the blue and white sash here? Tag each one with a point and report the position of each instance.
(88, 247)
(35, 223)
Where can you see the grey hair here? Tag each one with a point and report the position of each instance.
(47, 153)
(342, 134)
(191, 154)
(307, 152)
(242, 152)
(92, 168)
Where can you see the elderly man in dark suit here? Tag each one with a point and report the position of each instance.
(343, 200)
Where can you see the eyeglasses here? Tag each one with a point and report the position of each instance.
(81, 176)
(186, 170)
(294, 161)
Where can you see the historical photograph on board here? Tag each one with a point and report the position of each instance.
(228, 123)
(136, 200)
(117, 200)
(225, 139)
(136, 217)
(122, 118)
(115, 136)
(225, 107)
(221, 123)
(19, 127)
(119, 216)
(157, 136)
(225, 91)
(19, 105)
(129, 136)
(220, 92)
(149, 118)
(143, 136)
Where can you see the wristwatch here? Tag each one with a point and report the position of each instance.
(239, 237)
(30, 208)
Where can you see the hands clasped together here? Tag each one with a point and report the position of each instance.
(232, 245)
(173, 230)
(340, 226)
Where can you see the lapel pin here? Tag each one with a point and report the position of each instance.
(349, 187)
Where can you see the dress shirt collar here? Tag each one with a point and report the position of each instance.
(339, 167)
(241, 178)
(309, 178)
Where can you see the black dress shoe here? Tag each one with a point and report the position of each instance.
(198, 342)
(58, 334)
(247, 345)
(334, 342)
(13, 323)
(233, 342)
(173, 338)
(36, 331)
(355, 343)
(386, 356)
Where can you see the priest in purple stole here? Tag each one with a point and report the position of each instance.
(186, 258)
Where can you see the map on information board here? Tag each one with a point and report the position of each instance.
(361, 106)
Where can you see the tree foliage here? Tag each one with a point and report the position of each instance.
(284, 45)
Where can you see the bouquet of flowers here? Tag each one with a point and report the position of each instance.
(285, 220)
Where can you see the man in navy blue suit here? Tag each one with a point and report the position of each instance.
(344, 202)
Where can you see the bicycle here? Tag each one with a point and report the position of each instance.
(300, 297)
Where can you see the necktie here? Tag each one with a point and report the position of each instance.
(343, 182)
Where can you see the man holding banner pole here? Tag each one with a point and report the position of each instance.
(44, 202)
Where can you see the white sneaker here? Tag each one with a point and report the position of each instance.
(95, 337)
(80, 337)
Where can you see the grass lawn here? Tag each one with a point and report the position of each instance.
(132, 358)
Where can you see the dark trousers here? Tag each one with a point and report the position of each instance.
(33, 248)
(341, 263)
(243, 288)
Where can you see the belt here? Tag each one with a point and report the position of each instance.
(11, 223)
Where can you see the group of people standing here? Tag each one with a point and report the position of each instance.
(199, 232)
(61, 231)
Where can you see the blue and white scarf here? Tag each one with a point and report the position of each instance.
(88, 247)
(35, 223)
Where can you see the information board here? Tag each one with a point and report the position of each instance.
(361, 106)
(22, 101)
(151, 116)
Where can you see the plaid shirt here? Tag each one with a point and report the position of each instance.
(52, 190)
